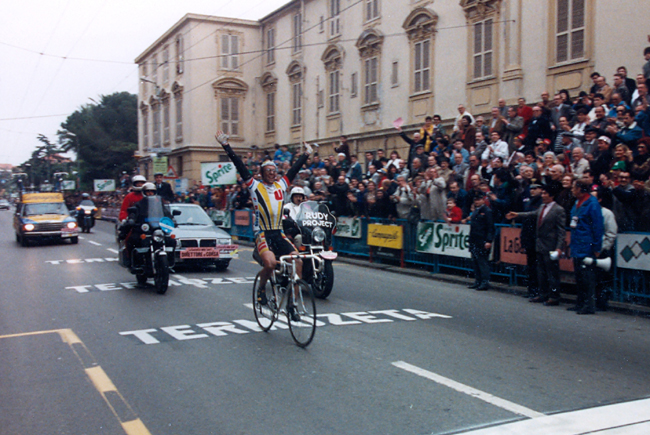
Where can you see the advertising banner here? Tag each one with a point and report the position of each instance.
(443, 239)
(218, 173)
(513, 253)
(633, 251)
(180, 185)
(68, 185)
(242, 218)
(386, 236)
(104, 185)
(348, 227)
(221, 218)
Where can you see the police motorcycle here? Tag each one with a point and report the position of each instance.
(147, 234)
(86, 213)
(312, 230)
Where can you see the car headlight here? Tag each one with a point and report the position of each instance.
(318, 234)
(29, 227)
(158, 236)
(144, 227)
(178, 243)
(72, 225)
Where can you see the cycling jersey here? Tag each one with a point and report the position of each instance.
(267, 201)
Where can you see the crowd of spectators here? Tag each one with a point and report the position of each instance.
(601, 136)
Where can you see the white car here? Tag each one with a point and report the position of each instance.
(199, 240)
(4, 204)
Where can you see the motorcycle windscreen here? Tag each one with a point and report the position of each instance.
(153, 208)
(312, 214)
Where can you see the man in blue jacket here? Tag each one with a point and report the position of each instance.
(587, 228)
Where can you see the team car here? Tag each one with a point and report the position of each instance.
(4, 204)
(44, 215)
(199, 240)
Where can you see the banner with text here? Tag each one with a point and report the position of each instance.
(513, 253)
(348, 227)
(386, 236)
(443, 239)
(68, 185)
(218, 173)
(160, 165)
(633, 251)
(104, 185)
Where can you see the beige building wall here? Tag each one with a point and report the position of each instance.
(522, 54)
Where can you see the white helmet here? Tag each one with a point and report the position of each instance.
(136, 179)
(149, 186)
(297, 191)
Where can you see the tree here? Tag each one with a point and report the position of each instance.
(107, 135)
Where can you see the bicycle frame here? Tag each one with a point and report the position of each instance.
(286, 268)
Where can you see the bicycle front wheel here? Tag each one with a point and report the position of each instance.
(266, 314)
(303, 325)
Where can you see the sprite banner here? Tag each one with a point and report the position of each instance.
(104, 185)
(68, 185)
(443, 239)
(218, 173)
(348, 227)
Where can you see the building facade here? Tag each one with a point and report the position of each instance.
(314, 70)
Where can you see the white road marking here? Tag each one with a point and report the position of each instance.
(94, 243)
(114, 251)
(486, 397)
(630, 418)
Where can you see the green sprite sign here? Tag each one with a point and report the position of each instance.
(104, 185)
(218, 173)
(443, 239)
(348, 227)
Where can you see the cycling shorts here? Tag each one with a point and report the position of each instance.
(275, 241)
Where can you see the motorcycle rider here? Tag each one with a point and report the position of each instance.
(85, 201)
(296, 198)
(267, 196)
(147, 189)
(134, 196)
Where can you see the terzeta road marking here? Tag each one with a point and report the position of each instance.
(246, 326)
(82, 261)
(177, 281)
(465, 389)
(94, 243)
(127, 418)
(114, 251)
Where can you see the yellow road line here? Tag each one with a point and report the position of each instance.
(103, 384)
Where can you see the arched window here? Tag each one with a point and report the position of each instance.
(333, 59)
(296, 72)
(230, 94)
(270, 86)
(420, 27)
(370, 45)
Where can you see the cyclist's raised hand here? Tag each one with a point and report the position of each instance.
(221, 137)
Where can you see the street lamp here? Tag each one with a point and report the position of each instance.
(71, 134)
(31, 173)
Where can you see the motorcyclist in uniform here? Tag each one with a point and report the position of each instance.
(296, 198)
(128, 227)
(85, 201)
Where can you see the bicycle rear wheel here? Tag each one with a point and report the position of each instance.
(303, 330)
(265, 315)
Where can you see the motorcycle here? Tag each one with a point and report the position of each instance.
(86, 215)
(152, 248)
(312, 232)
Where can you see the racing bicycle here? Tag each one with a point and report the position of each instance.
(280, 297)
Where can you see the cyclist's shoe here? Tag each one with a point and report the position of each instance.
(293, 313)
(261, 296)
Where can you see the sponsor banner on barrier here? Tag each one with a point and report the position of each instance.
(348, 227)
(104, 185)
(386, 236)
(443, 239)
(221, 218)
(633, 251)
(513, 253)
(242, 218)
(218, 173)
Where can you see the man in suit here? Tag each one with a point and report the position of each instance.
(550, 218)
(481, 235)
(163, 188)
(559, 110)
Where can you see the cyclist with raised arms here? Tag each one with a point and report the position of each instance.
(268, 195)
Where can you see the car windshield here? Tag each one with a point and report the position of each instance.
(192, 216)
(45, 208)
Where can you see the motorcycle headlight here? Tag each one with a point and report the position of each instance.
(158, 236)
(145, 227)
(29, 227)
(87, 211)
(72, 225)
(318, 234)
